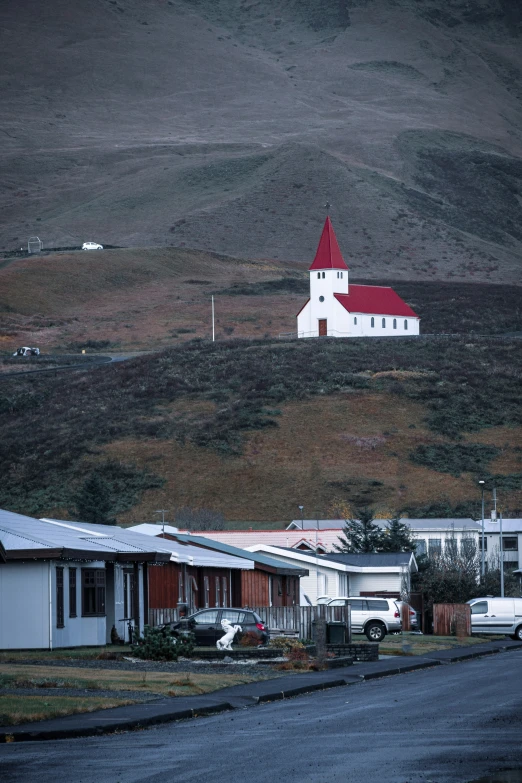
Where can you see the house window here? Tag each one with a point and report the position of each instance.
(59, 598)
(341, 275)
(321, 298)
(510, 543)
(318, 275)
(468, 547)
(405, 325)
(372, 322)
(206, 591)
(355, 320)
(93, 592)
(420, 546)
(383, 323)
(217, 599)
(394, 323)
(451, 547)
(337, 275)
(434, 546)
(225, 590)
(72, 592)
(323, 275)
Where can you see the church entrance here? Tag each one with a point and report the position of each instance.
(323, 328)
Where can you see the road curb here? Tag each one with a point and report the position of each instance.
(300, 691)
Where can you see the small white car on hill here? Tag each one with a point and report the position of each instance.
(91, 246)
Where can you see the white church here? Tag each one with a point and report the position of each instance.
(337, 309)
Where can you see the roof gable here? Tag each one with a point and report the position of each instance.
(376, 300)
(328, 255)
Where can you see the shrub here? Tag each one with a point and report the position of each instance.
(286, 645)
(158, 644)
(249, 639)
(455, 458)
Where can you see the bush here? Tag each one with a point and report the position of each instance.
(158, 644)
(286, 645)
(249, 639)
(455, 458)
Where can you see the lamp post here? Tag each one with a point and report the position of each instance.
(501, 559)
(483, 559)
(302, 518)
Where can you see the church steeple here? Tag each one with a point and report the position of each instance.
(328, 255)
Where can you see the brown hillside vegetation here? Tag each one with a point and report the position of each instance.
(225, 125)
(253, 428)
(142, 299)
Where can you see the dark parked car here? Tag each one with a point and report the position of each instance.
(206, 625)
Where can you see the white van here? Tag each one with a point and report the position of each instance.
(497, 615)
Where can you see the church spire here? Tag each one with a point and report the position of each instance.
(328, 255)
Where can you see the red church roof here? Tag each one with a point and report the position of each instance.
(374, 299)
(328, 255)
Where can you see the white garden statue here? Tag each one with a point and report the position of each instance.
(225, 643)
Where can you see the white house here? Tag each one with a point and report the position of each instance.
(341, 574)
(339, 309)
(66, 584)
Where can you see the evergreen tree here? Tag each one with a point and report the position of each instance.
(397, 537)
(361, 534)
(93, 502)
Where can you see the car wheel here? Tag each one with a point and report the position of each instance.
(517, 636)
(375, 632)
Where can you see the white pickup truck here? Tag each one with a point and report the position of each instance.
(497, 615)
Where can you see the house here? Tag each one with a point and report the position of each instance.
(511, 543)
(431, 535)
(269, 583)
(68, 584)
(339, 574)
(337, 308)
(311, 540)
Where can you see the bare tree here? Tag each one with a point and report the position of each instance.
(199, 518)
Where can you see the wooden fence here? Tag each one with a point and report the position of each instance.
(451, 620)
(281, 620)
(299, 620)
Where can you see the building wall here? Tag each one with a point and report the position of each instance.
(77, 631)
(255, 588)
(24, 606)
(361, 583)
(164, 585)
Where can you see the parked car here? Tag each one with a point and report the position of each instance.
(91, 246)
(414, 618)
(206, 625)
(25, 351)
(374, 617)
(497, 616)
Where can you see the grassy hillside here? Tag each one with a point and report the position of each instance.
(142, 299)
(255, 428)
(226, 125)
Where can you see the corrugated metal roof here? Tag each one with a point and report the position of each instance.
(21, 533)
(243, 539)
(370, 559)
(196, 556)
(414, 524)
(375, 300)
(262, 560)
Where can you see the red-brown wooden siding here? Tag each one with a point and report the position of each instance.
(163, 586)
(254, 588)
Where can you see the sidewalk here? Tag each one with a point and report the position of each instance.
(238, 696)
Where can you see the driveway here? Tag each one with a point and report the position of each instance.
(450, 724)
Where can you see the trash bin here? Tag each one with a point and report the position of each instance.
(336, 633)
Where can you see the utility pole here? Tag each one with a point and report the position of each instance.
(483, 558)
(162, 511)
(501, 560)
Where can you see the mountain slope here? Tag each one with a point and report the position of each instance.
(225, 125)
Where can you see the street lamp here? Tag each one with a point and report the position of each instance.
(483, 559)
(302, 519)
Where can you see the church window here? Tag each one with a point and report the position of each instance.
(355, 320)
(324, 275)
(337, 274)
(372, 322)
(318, 275)
(384, 323)
(406, 325)
(341, 275)
(394, 323)
(321, 298)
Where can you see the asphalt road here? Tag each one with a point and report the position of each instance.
(449, 724)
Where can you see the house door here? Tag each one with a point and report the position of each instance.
(323, 328)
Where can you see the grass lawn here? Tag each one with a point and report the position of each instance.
(165, 683)
(393, 644)
(19, 709)
(77, 653)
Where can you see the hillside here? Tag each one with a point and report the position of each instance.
(255, 428)
(225, 125)
(143, 299)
